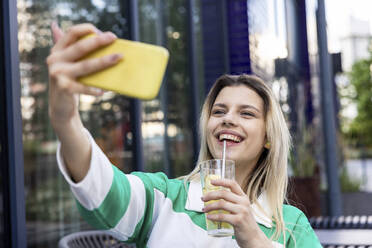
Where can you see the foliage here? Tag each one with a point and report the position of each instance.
(360, 131)
(347, 183)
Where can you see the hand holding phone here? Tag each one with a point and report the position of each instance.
(139, 74)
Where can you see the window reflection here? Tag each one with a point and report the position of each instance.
(50, 208)
(166, 127)
(179, 97)
(108, 119)
(166, 124)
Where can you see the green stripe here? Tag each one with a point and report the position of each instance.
(113, 207)
(291, 216)
(304, 234)
(174, 190)
(140, 235)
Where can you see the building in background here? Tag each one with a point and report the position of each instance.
(356, 42)
(274, 39)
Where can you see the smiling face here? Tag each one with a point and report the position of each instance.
(237, 116)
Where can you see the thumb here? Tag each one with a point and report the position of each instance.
(57, 32)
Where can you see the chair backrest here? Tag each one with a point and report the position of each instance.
(343, 231)
(92, 239)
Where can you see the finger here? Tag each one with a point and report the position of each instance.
(85, 46)
(75, 33)
(82, 68)
(228, 183)
(89, 66)
(223, 205)
(221, 194)
(224, 217)
(235, 220)
(70, 86)
(57, 32)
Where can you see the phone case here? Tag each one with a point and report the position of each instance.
(139, 74)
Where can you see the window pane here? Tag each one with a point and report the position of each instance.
(166, 124)
(179, 98)
(154, 116)
(50, 208)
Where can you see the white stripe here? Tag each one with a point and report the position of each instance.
(92, 190)
(136, 208)
(159, 199)
(173, 229)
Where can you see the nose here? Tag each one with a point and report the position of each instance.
(229, 120)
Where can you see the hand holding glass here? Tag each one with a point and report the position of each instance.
(211, 170)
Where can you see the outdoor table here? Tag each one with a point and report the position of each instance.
(355, 237)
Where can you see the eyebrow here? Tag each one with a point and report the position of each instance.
(244, 106)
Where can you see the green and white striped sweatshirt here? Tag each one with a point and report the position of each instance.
(153, 211)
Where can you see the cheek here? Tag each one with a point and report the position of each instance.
(262, 136)
(258, 132)
(210, 138)
(211, 125)
(210, 128)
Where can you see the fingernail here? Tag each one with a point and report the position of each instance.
(109, 36)
(115, 57)
(203, 209)
(202, 198)
(98, 31)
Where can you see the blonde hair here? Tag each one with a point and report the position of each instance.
(270, 173)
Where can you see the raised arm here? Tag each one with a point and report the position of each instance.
(64, 90)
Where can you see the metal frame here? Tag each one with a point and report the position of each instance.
(11, 153)
(328, 116)
(136, 106)
(192, 62)
(161, 39)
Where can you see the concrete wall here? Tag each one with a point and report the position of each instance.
(357, 203)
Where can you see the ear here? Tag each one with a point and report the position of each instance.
(57, 32)
(267, 145)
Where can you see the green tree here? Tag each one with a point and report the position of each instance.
(360, 131)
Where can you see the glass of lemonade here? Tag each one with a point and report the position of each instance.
(211, 170)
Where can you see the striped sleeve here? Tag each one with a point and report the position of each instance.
(110, 200)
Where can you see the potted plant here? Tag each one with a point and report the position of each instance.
(304, 182)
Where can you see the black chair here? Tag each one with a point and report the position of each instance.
(343, 231)
(92, 239)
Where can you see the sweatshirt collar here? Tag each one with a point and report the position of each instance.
(194, 203)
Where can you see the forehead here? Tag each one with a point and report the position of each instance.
(239, 95)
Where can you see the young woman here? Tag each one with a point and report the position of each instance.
(153, 211)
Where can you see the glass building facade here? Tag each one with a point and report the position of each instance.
(166, 127)
(167, 124)
(205, 39)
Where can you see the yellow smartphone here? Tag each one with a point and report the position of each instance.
(139, 74)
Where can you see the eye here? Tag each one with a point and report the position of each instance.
(218, 112)
(247, 114)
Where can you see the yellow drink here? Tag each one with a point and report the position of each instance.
(216, 228)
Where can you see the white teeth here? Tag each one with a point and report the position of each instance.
(225, 136)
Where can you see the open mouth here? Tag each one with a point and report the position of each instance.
(230, 137)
